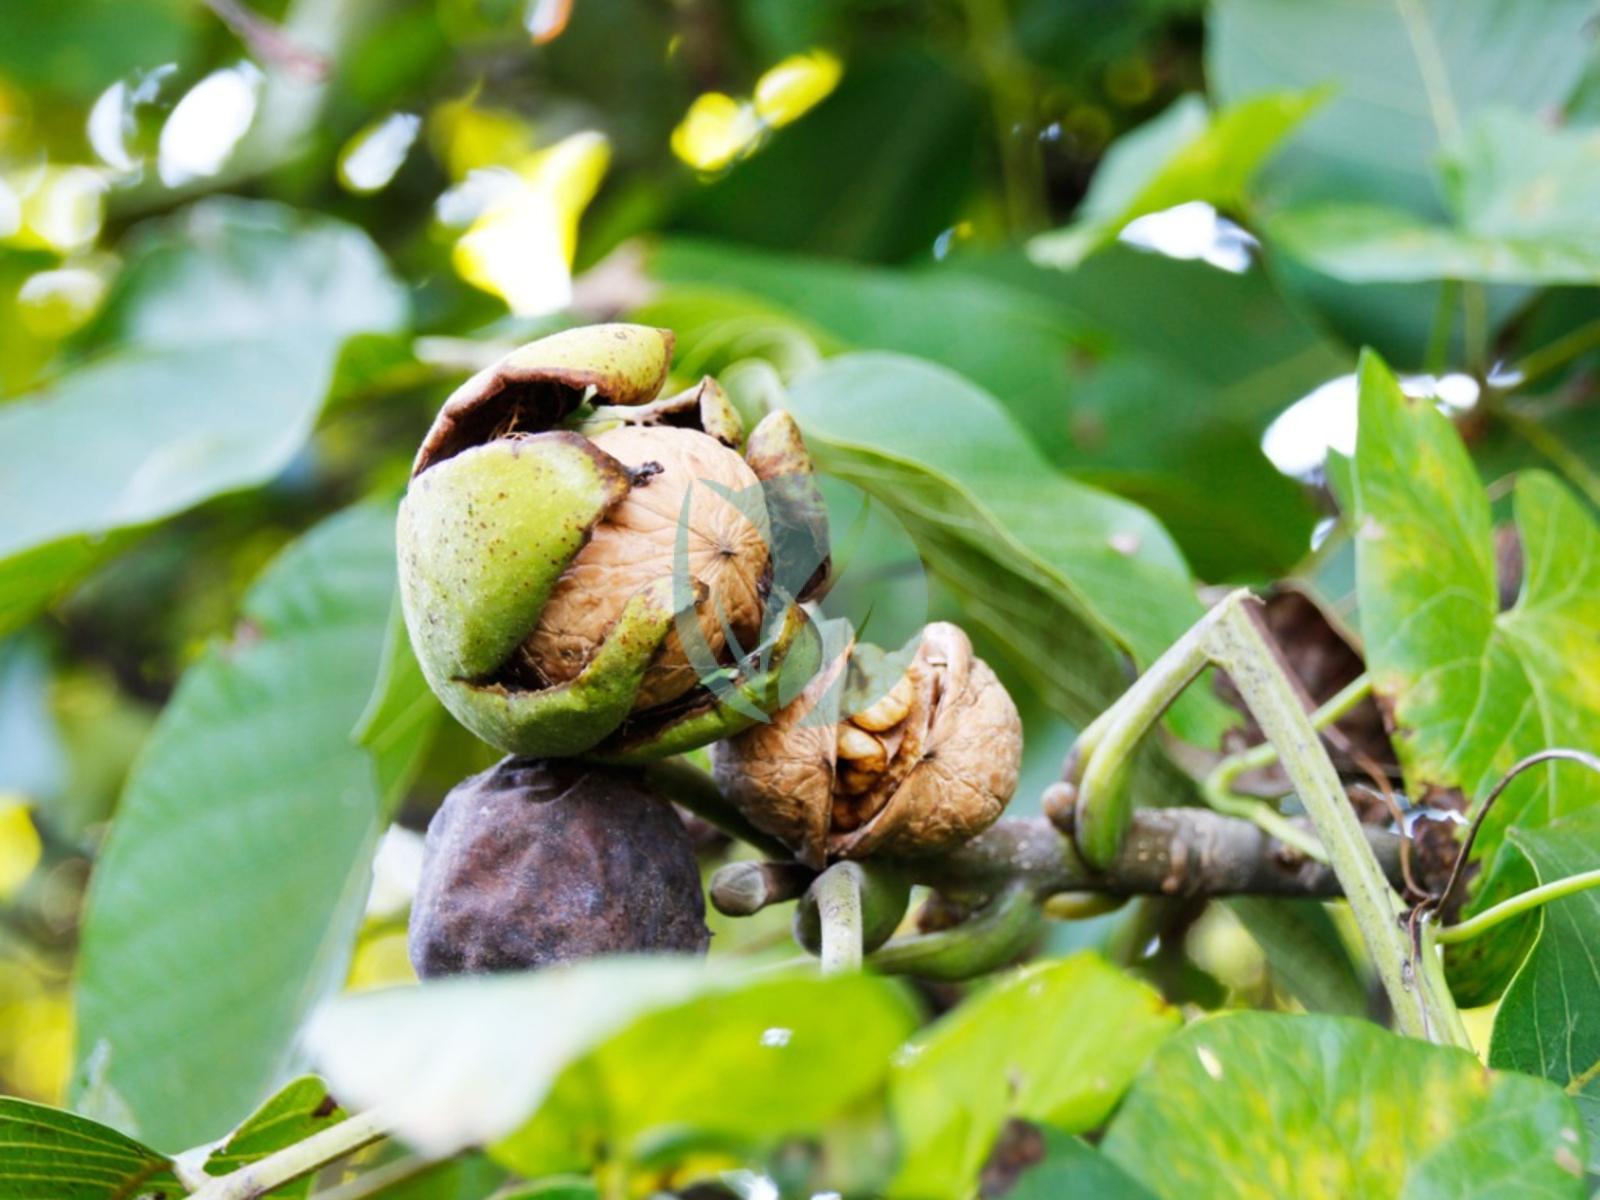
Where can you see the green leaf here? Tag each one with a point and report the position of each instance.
(223, 334)
(1545, 1022)
(1522, 198)
(1369, 244)
(557, 1187)
(741, 1068)
(401, 716)
(942, 453)
(227, 895)
(1403, 75)
(471, 1061)
(1074, 1170)
(32, 757)
(77, 49)
(1055, 1043)
(1472, 689)
(49, 1154)
(1263, 1106)
(1187, 153)
(302, 1108)
(1165, 406)
(469, 1176)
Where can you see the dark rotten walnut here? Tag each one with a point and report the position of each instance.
(533, 863)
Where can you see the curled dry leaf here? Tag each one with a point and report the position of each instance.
(927, 764)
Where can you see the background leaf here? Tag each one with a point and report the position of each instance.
(222, 340)
(941, 453)
(1269, 1106)
(229, 890)
(1074, 1170)
(1405, 77)
(1185, 154)
(1008, 1053)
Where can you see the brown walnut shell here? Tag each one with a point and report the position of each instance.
(537, 862)
(676, 473)
(953, 759)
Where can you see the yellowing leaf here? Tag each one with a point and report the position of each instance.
(715, 131)
(795, 86)
(19, 845)
(467, 137)
(1267, 1106)
(53, 208)
(520, 248)
(1472, 688)
(380, 961)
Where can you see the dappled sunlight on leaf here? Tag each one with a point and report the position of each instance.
(52, 207)
(796, 85)
(719, 129)
(715, 131)
(20, 847)
(520, 247)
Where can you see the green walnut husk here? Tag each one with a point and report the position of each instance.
(589, 569)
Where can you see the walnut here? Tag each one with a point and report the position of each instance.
(917, 769)
(532, 863)
(637, 541)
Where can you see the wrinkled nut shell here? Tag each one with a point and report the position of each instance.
(779, 773)
(533, 863)
(636, 543)
(954, 758)
(887, 711)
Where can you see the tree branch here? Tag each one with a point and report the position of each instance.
(1166, 851)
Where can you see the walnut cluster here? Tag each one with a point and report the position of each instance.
(929, 762)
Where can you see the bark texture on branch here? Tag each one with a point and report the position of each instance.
(1167, 851)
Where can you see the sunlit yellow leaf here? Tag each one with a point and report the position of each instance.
(19, 845)
(715, 131)
(521, 247)
(53, 304)
(466, 137)
(56, 207)
(380, 961)
(796, 85)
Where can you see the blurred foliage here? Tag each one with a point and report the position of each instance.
(1039, 275)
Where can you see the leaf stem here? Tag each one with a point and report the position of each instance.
(1475, 327)
(290, 1163)
(1411, 972)
(1218, 786)
(1538, 363)
(984, 942)
(838, 895)
(1521, 903)
(1232, 637)
(1561, 456)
